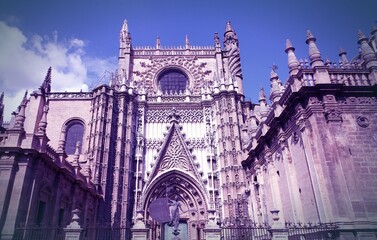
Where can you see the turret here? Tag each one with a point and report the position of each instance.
(233, 54)
(314, 54)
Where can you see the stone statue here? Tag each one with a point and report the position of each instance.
(174, 207)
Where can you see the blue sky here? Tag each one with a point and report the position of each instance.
(80, 39)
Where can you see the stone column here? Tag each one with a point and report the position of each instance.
(212, 231)
(73, 230)
(278, 230)
(139, 230)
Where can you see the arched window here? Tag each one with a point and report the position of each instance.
(74, 132)
(172, 81)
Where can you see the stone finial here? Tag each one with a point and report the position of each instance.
(292, 59)
(361, 36)
(43, 122)
(77, 152)
(217, 39)
(273, 73)
(309, 36)
(125, 26)
(228, 27)
(341, 51)
(61, 144)
(314, 54)
(158, 42)
(343, 56)
(274, 83)
(288, 45)
(187, 42)
(262, 94)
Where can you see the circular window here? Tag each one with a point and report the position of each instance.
(172, 82)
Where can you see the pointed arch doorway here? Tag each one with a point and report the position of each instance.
(191, 197)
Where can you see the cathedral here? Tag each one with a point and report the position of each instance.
(173, 122)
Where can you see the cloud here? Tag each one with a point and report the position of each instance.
(24, 62)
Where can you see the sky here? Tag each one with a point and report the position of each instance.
(80, 39)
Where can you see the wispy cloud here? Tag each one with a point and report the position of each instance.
(25, 60)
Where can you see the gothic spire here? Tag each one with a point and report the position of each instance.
(20, 118)
(314, 54)
(125, 35)
(46, 85)
(292, 60)
(125, 26)
(233, 54)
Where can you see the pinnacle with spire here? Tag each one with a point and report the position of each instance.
(46, 85)
(367, 52)
(187, 42)
(343, 56)
(158, 42)
(314, 54)
(292, 59)
(228, 27)
(20, 118)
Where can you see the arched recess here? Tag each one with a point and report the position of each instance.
(192, 198)
(70, 138)
(177, 68)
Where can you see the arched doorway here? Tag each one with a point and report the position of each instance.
(192, 199)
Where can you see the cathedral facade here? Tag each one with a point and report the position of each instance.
(173, 122)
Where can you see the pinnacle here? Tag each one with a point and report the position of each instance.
(228, 27)
(341, 51)
(125, 26)
(288, 45)
(309, 36)
(361, 36)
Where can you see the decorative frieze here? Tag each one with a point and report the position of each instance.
(187, 115)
